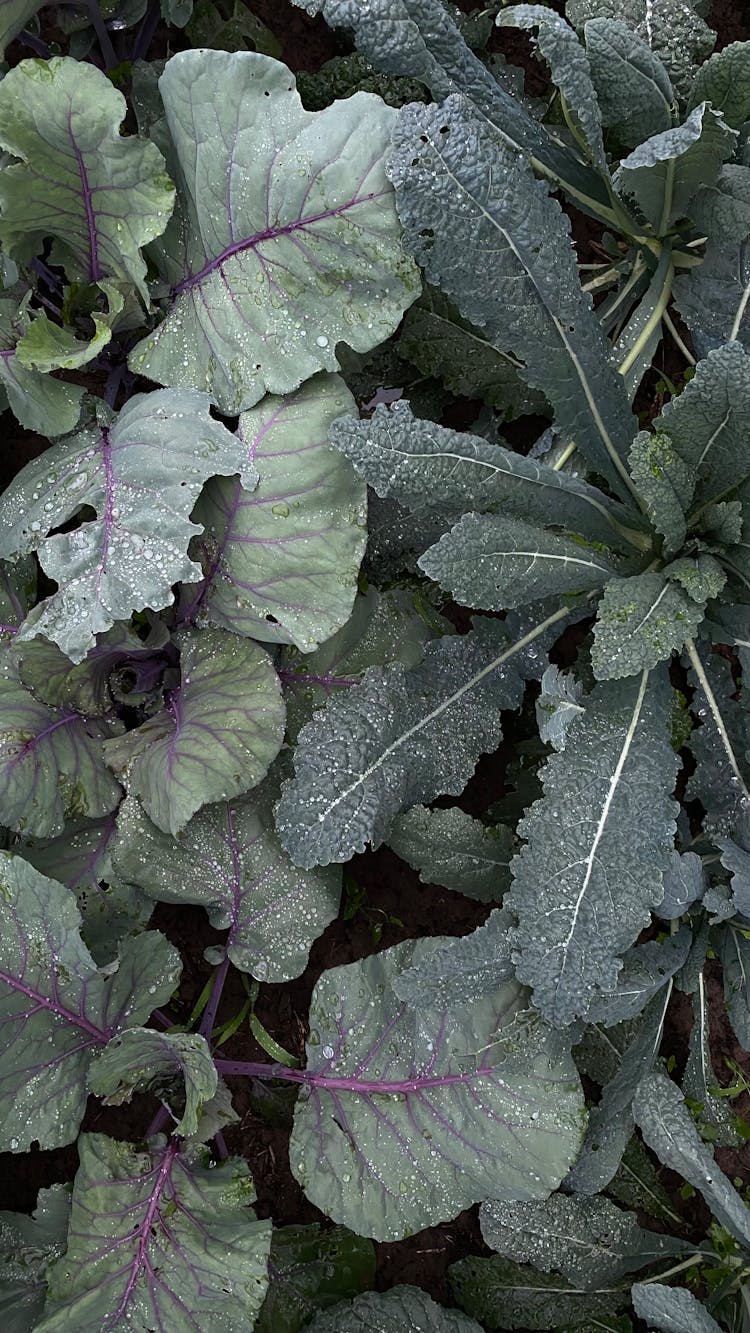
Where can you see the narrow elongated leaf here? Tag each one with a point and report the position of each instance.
(27, 1246)
(590, 1241)
(217, 737)
(450, 848)
(461, 970)
(282, 560)
(311, 1269)
(633, 89)
(401, 737)
(51, 762)
(724, 81)
(641, 621)
(720, 745)
(161, 1241)
(392, 1135)
(713, 298)
(285, 238)
(556, 42)
(645, 970)
(57, 1009)
(663, 174)
(736, 859)
(507, 1295)
(38, 402)
(229, 860)
(667, 1127)
(705, 420)
(493, 562)
(665, 483)
(637, 1185)
(499, 246)
(585, 887)
(699, 1081)
(100, 194)
(177, 1066)
(735, 960)
(672, 28)
(671, 1309)
(400, 1310)
(142, 476)
(417, 462)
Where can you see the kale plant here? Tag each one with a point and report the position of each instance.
(207, 698)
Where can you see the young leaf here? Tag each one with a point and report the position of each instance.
(282, 560)
(311, 1269)
(494, 563)
(590, 1241)
(633, 89)
(461, 970)
(229, 860)
(47, 346)
(91, 687)
(176, 1066)
(28, 1245)
(400, 738)
(399, 1310)
(267, 196)
(685, 883)
(585, 887)
(663, 174)
(640, 622)
(450, 848)
(500, 247)
(159, 1240)
(51, 762)
(100, 194)
(724, 81)
(392, 1134)
(56, 1008)
(666, 484)
(507, 1295)
(668, 1129)
(218, 735)
(645, 970)
(38, 402)
(705, 422)
(671, 1309)
(142, 475)
(558, 706)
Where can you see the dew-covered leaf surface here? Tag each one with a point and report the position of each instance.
(177, 1066)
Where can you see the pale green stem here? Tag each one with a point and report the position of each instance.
(668, 196)
(567, 453)
(652, 323)
(688, 355)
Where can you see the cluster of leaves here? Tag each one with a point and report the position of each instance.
(203, 700)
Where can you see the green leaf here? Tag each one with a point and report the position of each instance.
(702, 578)
(637, 1185)
(672, 29)
(632, 86)
(49, 407)
(684, 884)
(720, 744)
(272, 910)
(646, 969)
(93, 686)
(556, 42)
(419, 462)
(500, 247)
(176, 1066)
(668, 1129)
(641, 621)
(699, 1080)
(584, 887)
(14, 15)
(450, 848)
(671, 1309)
(51, 762)
(142, 475)
(47, 346)
(218, 735)
(159, 1239)
(311, 1269)
(665, 483)
(724, 81)
(57, 1009)
(282, 559)
(400, 1310)
(230, 27)
(100, 194)
(663, 174)
(506, 1295)
(590, 1241)
(416, 1092)
(440, 343)
(735, 961)
(470, 967)
(558, 706)
(713, 298)
(399, 738)
(494, 563)
(285, 239)
(27, 1246)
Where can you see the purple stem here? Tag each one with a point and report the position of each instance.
(209, 1013)
(146, 32)
(290, 677)
(34, 43)
(221, 1148)
(159, 1122)
(8, 629)
(256, 1069)
(160, 1017)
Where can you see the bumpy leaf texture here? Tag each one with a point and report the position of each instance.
(671, 1309)
(285, 239)
(159, 1242)
(57, 1009)
(597, 844)
(450, 848)
(400, 1310)
(410, 1115)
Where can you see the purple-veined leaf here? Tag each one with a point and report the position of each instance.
(94, 686)
(17, 591)
(220, 731)
(176, 1066)
(159, 1242)
(282, 561)
(39, 402)
(229, 859)
(57, 1008)
(27, 1246)
(410, 1115)
(285, 239)
(51, 762)
(142, 474)
(101, 195)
